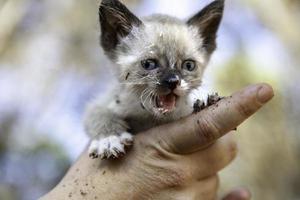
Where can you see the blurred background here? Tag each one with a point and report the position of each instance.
(51, 65)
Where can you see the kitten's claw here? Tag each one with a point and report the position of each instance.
(93, 149)
(110, 147)
(93, 155)
(212, 99)
(126, 139)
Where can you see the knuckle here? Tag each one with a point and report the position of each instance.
(164, 172)
(210, 189)
(170, 176)
(220, 155)
(175, 177)
(207, 129)
(244, 110)
(233, 149)
(226, 155)
(214, 181)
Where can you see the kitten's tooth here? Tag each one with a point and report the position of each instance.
(161, 103)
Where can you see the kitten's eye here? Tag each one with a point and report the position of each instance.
(189, 65)
(150, 64)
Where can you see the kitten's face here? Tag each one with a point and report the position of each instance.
(161, 58)
(162, 62)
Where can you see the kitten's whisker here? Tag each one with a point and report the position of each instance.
(152, 98)
(196, 79)
(146, 100)
(132, 83)
(144, 93)
(143, 100)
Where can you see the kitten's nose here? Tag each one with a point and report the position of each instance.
(172, 81)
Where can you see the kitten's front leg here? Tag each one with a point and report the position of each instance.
(108, 132)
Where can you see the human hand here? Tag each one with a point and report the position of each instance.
(179, 160)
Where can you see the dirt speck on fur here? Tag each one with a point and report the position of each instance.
(127, 76)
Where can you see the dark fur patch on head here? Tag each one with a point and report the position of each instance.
(116, 22)
(208, 21)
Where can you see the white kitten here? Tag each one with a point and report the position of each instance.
(160, 60)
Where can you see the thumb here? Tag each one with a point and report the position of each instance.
(238, 194)
(197, 131)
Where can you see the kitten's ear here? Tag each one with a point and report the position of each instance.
(116, 22)
(208, 21)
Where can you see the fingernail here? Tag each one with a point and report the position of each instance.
(265, 93)
(245, 194)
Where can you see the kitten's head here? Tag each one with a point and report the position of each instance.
(160, 58)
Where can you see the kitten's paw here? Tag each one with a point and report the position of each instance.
(111, 146)
(212, 99)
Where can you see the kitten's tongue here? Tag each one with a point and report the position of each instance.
(167, 102)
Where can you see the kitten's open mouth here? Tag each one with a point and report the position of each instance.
(166, 103)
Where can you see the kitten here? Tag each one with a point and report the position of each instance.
(159, 61)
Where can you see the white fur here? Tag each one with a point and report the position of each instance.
(160, 37)
(184, 85)
(169, 38)
(111, 146)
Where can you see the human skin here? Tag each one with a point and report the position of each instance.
(179, 160)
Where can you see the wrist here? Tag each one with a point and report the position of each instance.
(94, 179)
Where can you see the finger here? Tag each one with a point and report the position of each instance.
(205, 188)
(238, 194)
(199, 130)
(213, 159)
